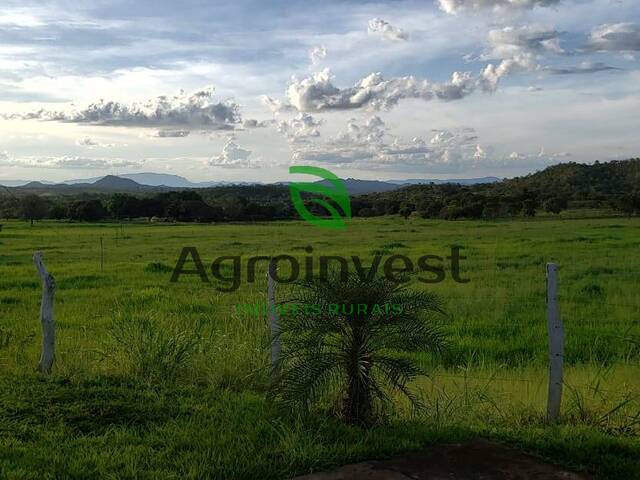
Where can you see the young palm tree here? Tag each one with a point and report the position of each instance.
(347, 336)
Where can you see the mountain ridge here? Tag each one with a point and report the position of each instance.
(141, 181)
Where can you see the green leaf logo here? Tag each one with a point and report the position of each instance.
(336, 191)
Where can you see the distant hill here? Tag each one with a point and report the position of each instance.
(19, 183)
(362, 187)
(160, 180)
(459, 181)
(32, 185)
(111, 182)
(354, 186)
(613, 185)
(148, 178)
(108, 184)
(119, 184)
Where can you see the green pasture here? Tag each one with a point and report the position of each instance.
(155, 379)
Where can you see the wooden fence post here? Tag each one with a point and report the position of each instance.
(46, 315)
(274, 321)
(556, 344)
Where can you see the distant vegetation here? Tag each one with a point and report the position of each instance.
(614, 185)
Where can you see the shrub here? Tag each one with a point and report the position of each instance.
(357, 353)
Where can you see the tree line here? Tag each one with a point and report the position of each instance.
(233, 204)
(613, 185)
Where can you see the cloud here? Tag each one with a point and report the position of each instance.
(377, 26)
(232, 156)
(585, 67)
(518, 48)
(369, 145)
(480, 153)
(91, 143)
(300, 129)
(528, 161)
(169, 133)
(317, 93)
(195, 110)
(492, 74)
(615, 37)
(68, 162)
(453, 7)
(275, 105)
(512, 41)
(317, 54)
(360, 143)
(253, 123)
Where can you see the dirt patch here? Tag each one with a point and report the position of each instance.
(476, 460)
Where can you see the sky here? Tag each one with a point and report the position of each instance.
(240, 91)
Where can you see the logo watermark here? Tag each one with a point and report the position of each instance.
(337, 191)
(261, 309)
(228, 269)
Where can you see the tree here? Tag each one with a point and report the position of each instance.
(405, 211)
(430, 208)
(58, 211)
(349, 348)
(555, 204)
(233, 207)
(197, 210)
(629, 203)
(33, 207)
(87, 210)
(529, 207)
(150, 207)
(122, 205)
(366, 212)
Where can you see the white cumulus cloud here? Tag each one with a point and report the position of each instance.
(232, 156)
(454, 7)
(317, 54)
(369, 145)
(91, 143)
(377, 26)
(196, 110)
(510, 41)
(492, 74)
(317, 92)
(68, 162)
(300, 128)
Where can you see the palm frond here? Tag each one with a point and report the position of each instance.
(355, 353)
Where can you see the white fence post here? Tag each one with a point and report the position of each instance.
(46, 315)
(556, 344)
(274, 321)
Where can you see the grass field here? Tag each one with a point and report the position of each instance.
(111, 409)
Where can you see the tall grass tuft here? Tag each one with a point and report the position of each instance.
(5, 337)
(151, 349)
